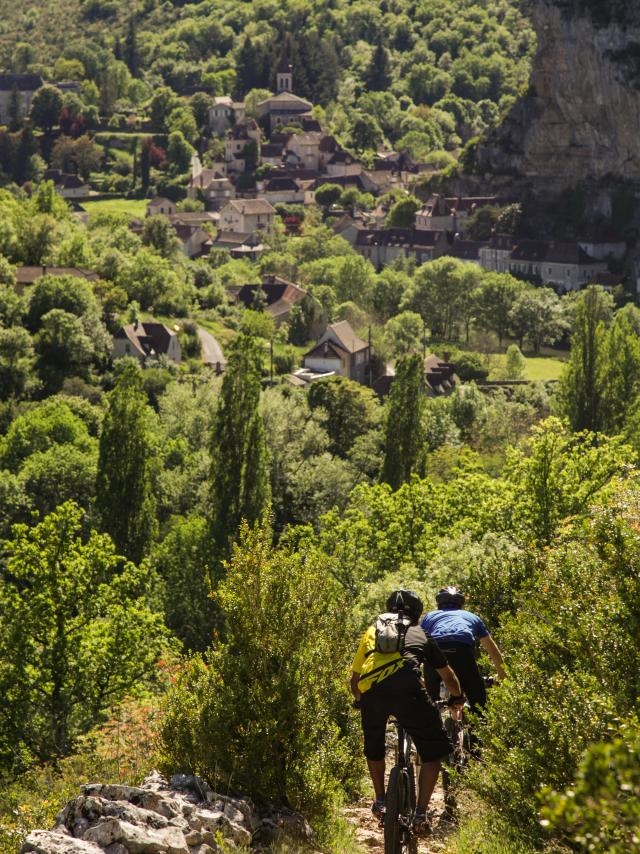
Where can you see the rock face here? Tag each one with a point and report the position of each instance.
(181, 817)
(581, 118)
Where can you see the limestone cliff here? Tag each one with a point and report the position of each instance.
(581, 117)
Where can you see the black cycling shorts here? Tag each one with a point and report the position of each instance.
(408, 702)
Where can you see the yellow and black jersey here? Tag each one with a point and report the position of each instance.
(374, 667)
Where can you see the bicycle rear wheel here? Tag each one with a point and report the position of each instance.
(400, 804)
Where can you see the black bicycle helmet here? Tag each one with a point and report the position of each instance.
(450, 597)
(407, 601)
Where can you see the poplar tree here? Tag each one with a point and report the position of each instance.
(583, 383)
(240, 487)
(404, 439)
(131, 47)
(124, 488)
(378, 74)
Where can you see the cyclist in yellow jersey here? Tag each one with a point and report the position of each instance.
(389, 684)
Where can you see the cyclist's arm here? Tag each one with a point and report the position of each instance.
(450, 680)
(355, 678)
(490, 647)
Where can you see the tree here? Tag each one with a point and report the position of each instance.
(351, 410)
(77, 635)
(251, 708)
(378, 74)
(179, 151)
(403, 333)
(582, 384)
(366, 133)
(130, 54)
(15, 113)
(403, 213)
(46, 107)
(239, 469)
(404, 432)
(164, 100)
(493, 301)
(441, 293)
(158, 233)
(16, 362)
(537, 316)
(63, 347)
(328, 194)
(515, 363)
(621, 386)
(182, 562)
(125, 498)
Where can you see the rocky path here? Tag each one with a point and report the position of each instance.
(370, 835)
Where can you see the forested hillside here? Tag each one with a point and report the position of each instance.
(467, 59)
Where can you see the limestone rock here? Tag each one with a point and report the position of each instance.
(581, 116)
(137, 839)
(51, 842)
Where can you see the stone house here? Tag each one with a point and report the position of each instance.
(237, 140)
(194, 240)
(239, 244)
(283, 109)
(439, 374)
(439, 213)
(382, 246)
(225, 113)
(341, 165)
(247, 216)
(341, 352)
(306, 149)
(146, 342)
(160, 205)
(67, 186)
(26, 276)
(22, 86)
(280, 296)
(282, 190)
(271, 154)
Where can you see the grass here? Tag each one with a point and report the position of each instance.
(135, 208)
(538, 368)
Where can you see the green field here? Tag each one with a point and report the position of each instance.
(539, 368)
(135, 208)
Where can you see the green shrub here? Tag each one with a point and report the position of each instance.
(265, 712)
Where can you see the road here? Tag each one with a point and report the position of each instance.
(211, 351)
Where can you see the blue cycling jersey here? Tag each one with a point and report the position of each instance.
(452, 624)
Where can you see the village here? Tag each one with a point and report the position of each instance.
(277, 164)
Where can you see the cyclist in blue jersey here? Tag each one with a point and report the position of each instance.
(456, 632)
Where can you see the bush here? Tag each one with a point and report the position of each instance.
(266, 711)
(469, 366)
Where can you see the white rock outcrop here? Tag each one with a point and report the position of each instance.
(183, 816)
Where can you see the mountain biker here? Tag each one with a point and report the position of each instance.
(386, 684)
(456, 631)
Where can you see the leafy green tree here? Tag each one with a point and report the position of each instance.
(403, 213)
(62, 347)
(404, 332)
(164, 100)
(621, 385)
(131, 56)
(351, 410)
(240, 467)
(182, 563)
(51, 423)
(46, 107)
(125, 499)
(61, 473)
(179, 151)
(366, 133)
(159, 234)
(515, 363)
(266, 705)
(77, 635)
(328, 194)
(493, 301)
(537, 316)
(16, 362)
(404, 431)
(441, 293)
(582, 385)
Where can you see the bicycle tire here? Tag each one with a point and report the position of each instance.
(393, 808)
(412, 843)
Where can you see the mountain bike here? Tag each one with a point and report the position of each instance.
(400, 801)
(456, 725)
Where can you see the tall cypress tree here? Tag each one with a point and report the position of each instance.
(240, 487)
(582, 385)
(124, 488)
(404, 432)
(131, 47)
(378, 75)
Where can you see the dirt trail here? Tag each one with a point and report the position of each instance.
(371, 836)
